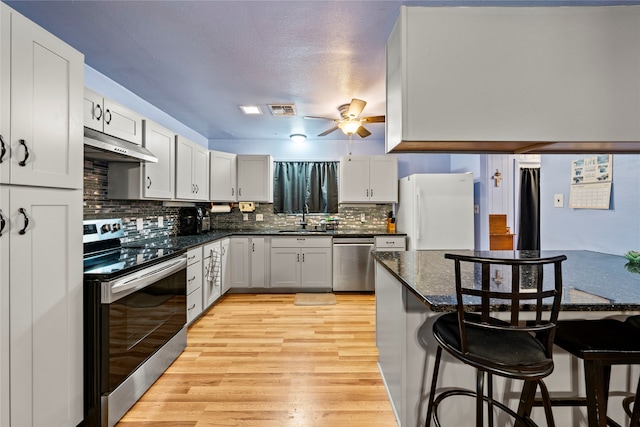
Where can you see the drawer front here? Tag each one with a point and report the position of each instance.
(194, 304)
(194, 276)
(194, 255)
(301, 242)
(390, 242)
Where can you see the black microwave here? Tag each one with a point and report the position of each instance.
(190, 221)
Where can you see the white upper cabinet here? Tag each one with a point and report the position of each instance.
(147, 180)
(368, 179)
(107, 116)
(508, 78)
(192, 170)
(222, 175)
(41, 83)
(159, 180)
(255, 178)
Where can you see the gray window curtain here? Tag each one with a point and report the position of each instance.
(312, 183)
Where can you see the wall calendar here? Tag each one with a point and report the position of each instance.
(591, 179)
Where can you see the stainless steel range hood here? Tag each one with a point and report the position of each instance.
(101, 146)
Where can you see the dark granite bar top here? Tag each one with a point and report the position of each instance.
(592, 281)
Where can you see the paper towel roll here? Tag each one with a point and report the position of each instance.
(220, 209)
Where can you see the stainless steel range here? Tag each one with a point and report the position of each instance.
(134, 319)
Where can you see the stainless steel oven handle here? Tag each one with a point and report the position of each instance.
(143, 278)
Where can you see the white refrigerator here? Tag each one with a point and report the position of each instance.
(436, 211)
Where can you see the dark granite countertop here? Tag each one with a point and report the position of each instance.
(592, 281)
(187, 242)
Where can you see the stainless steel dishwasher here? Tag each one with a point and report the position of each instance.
(353, 264)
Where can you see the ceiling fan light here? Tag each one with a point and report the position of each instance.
(349, 126)
(298, 137)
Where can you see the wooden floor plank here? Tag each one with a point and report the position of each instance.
(259, 360)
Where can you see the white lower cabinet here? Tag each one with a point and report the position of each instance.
(211, 277)
(41, 377)
(194, 283)
(301, 262)
(248, 266)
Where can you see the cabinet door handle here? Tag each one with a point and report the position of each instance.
(26, 221)
(98, 112)
(191, 257)
(233, 191)
(367, 192)
(372, 192)
(197, 188)
(149, 181)
(253, 247)
(107, 121)
(3, 149)
(239, 191)
(23, 162)
(302, 257)
(2, 223)
(192, 307)
(298, 257)
(192, 279)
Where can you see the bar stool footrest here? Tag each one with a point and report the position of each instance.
(466, 392)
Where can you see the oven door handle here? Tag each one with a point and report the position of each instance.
(140, 279)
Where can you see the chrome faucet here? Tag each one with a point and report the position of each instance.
(303, 221)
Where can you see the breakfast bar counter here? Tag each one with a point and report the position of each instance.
(414, 287)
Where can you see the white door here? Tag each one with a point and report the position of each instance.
(285, 267)
(184, 173)
(4, 305)
(383, 179)
(225, 268)
(354, 179)
(222, 177)
(201, 172)
(316, 268)
(122, 122)
(47, 78)
(159, 177)
(258, 263)
(239, 262)
(45, 277)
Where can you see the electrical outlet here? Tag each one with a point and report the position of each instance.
(245, 217)
(139, 224)
(363, 218)
(259, 217)
(160, 221)
(558, 200)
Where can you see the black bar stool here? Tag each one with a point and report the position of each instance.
(516, 349)
(601, 344)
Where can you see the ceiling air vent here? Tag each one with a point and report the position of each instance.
(280, 110)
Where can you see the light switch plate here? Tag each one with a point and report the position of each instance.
(139, 224)
(160, 221)
(558, 200)
(259, 217)
(245, 217)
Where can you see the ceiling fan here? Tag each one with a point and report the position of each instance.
(351, 122)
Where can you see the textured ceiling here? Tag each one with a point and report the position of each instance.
(198, 60)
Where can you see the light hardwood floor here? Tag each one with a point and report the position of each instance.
(259, 360)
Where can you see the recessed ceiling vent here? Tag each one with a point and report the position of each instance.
(280, 110)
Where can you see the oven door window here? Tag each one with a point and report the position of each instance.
(141, 323)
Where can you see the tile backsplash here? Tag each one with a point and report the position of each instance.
(97, 205)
